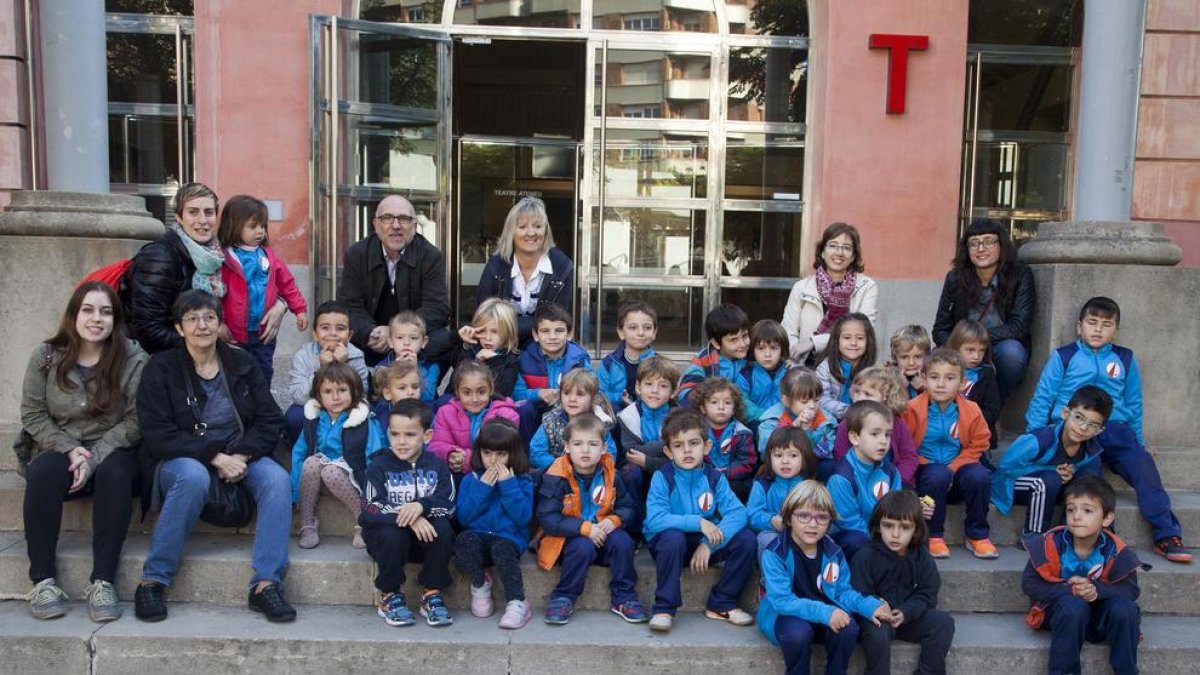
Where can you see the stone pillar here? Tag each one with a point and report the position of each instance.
(48, 242)
(74, 65)
(1132, 263)
(1108, 109)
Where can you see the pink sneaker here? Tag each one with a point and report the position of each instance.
(481, 599)
(516, 614)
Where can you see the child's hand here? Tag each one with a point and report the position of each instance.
(626, 399)
(839, 620)
(897, 618)
(927, 507)
(467, 334)
(636, 457)
(503, 472)
(711, 531)
(777, 523)
(485, 354)
(1065, 471)
(805, 418)
(918, 381)
(455, 460)
(700, 558)
(606, 525)
(409, 513)
(326, 357)
(489, 476)
(548, 396)
(302, 322)
(424, 531)
(882, 613)
(1083, 588)
(597, 535)
(341, 354)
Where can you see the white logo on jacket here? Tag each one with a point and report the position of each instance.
(829, 575)
(598, 495)
(705, 501)
(880, 488)
(1113, 369)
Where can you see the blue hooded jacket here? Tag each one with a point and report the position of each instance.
(503, 509)
(614, 380)
(1033, 452)
(766, 500)
(692, 499)
(1112, 368)
(856, 487)
(760, 388)
(538, 372)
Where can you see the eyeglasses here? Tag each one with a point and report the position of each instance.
(809, 517)
(198, 319)
(839, 248)
(983, 244)
(1084, 423)
(389, 218)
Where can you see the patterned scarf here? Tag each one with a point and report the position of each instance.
(835, 296)
(207, 259)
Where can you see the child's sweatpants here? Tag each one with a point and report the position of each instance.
(933, 631)
(851, 541)
(579, 554)
(971, 484)
(1071, 620)
(1128, 459)
(1039, 491)
(475, 550)
(672, 551)
(796, 637)
(392, 547)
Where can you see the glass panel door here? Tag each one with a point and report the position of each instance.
(381, 103)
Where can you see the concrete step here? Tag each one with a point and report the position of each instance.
(214, 640)
(216, 568)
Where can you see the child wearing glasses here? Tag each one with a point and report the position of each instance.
(1038, 465)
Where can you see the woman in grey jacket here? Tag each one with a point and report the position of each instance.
(78, 405)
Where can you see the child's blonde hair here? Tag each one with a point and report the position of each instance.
(968, 331)
(910, 336)
(495, 309)
(397, 370)
(584, 380)
(408, 318)
(810, 493)
(891, 386)
(943, 355)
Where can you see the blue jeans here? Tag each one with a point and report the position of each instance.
(183, 482)
(1010, 359)
(263, 353)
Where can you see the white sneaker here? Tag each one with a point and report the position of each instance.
(481, 599)
(661, 623)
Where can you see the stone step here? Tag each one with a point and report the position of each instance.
(214, 640)
(216, 568)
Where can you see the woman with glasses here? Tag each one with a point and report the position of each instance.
(838, 287)
(987, 284)
(527, 270)
(207, 415)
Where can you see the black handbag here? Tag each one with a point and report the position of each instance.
(228, 504)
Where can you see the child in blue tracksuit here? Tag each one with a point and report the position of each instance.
(640, 423)
(543, 363)
(789, 461)
(637, 327)
(760, 378)
(692, 514)
(1082, 582)
(1037, 465)
(733, 453)
(406, 335)
(1094, 359)
(806, 579)
(864, 475)
(579, 394)
(728, 331)
(800, 406)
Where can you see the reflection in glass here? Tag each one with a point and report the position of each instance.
(650, 164)
(1056, 23)
(1023, 97)
(170, 7)
(771, 172)
(768, 85)
(680, 316)
(539, 13)
(758, 244)
(649, 241)
(690, 16)
(141, 68)
(1013, 175)
(656, 84)
(143, 149)
(402, 157)
(401, 11)
(767, 17)
(758, 303)
(394, 70)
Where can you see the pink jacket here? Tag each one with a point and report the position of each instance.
(452, 426)
(237, 298)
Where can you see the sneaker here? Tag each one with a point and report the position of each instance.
(148, 603)
(309, 537)
(102, 602)
(434, 609)
(1172, 549)
(481, 599)
(938, 548)
(983, 549)
(736, 616)
(661, 623)
(357, 542)
(394, 610)
(559, 612)
(47, 600)
(632, 611)
(517, 613)
(269, 601)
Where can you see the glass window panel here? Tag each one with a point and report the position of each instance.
(690, 16)
(650, 241)
(1022, 97)
(401, 11)
(174, 7)
(141, 68)
(653, 164)
(756, 171)
(1057, 23)
(645, 83)
(781, 17)
(394, 70)
(142, 149)
(401, 157)
(680, 316)
(758, 303)
(759, 244)
(540, 13)
(1021, 175)
(767, 85)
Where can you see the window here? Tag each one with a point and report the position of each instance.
(654, 111)
(643, 22)
(416, 15)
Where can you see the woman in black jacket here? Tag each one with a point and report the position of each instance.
(207, 414)
(527, 270)
(987, 284)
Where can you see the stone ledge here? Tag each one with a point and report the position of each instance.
(1102, 243)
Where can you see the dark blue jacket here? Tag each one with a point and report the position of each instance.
(503, 509)
(1033, 452)
(557, 289)
(538, 372)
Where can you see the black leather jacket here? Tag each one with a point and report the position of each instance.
(159, 273)
(1016, 311)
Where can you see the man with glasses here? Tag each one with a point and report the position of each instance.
(392, 270)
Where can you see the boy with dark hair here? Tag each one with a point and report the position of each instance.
(640, 423)
(764, 369)
(864, 476)
(1094, 359)
(552, 354)
(1082, 582)
(331, 342)
(637, 327)
(728, 330)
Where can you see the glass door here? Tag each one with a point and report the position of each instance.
(381, 102)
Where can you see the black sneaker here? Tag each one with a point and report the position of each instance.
(270, 602)
(1172, 549)
(148, 603)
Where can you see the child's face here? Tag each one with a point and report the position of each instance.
(637, 331)
(1081, 425)
(552, 337)
(400, 388)
(1096, 331)
(654, 391)
(942, 381)
(406, 437)
(800, 407)
(585, 449)
(331, 330)
(1086, 517)
(335, 397)
(489, 458)
(873, 442)
(718, 408)
(575, 401)
(787, 461)
(867, 391)
(972, 353)
(734, 345)
(768, 354)
(473, 392)
(852, 342)
(896, 534)
(688, 449)
(407, 341)
(253, 232)
(809, 525)
(909, 360)
(488, 335)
